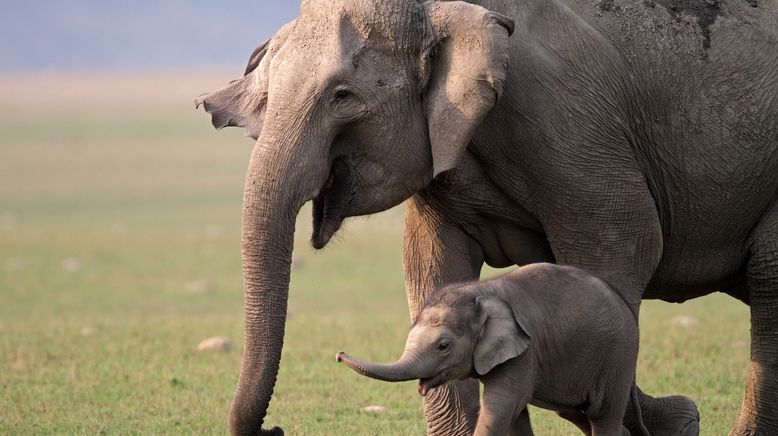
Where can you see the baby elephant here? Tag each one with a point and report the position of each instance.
(547, 335)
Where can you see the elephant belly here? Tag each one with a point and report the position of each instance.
(560, 408)
(686, 274)
(571, 396)
(719, 194)
(505, 244)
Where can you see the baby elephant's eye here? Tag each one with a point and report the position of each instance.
(442, 346)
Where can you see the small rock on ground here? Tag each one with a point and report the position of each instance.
(119, 229)
(198, 286)
(71, 265)
(297, 263)
(216, 343)
(375, 409)
(739, 344)
(213, 232)
(14, 264)
(684, 321)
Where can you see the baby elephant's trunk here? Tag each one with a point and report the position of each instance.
(406, 368)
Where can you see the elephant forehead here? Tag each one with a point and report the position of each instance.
(395, 21)
(444, 316)
(422, 334)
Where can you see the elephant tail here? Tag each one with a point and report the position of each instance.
(638, 418)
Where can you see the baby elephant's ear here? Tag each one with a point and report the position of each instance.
(501, 339)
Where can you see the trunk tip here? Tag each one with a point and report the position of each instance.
(339, 356)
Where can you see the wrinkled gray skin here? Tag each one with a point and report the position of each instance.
(637, 140)
(547, 335)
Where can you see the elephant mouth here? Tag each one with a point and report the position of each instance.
(330, 204)
(426, 384)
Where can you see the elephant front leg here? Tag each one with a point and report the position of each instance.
(436, 253)
(759, 411)
(507, 390)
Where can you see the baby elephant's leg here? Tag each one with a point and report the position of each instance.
(609, 425)
(521, 425)
(608, 417)
(507, 389)
(578, 419)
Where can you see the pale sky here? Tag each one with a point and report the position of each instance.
(127, 35)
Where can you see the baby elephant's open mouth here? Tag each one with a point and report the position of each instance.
(422, 389)
(426, 384)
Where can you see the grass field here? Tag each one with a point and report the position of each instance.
(119, 253)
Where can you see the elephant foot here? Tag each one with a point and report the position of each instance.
(670, 416)
(759, 412)
(753, 427)
(275, 431)
(746, 429)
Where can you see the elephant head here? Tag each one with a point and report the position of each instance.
(452, 339)
(355, 105)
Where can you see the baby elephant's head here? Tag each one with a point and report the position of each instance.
(453, 336)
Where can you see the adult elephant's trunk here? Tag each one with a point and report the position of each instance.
(275, 190)
(406, 368)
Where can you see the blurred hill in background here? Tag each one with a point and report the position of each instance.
(79, 35)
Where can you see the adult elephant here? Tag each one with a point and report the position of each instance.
(636, 140)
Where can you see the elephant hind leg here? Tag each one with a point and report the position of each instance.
(759, 410)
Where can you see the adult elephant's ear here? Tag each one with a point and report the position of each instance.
(242, 102)
(467, 62)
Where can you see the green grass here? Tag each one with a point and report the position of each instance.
(147, 209)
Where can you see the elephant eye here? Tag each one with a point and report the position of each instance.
(340, 95)
(346, 104)
(442, 346)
